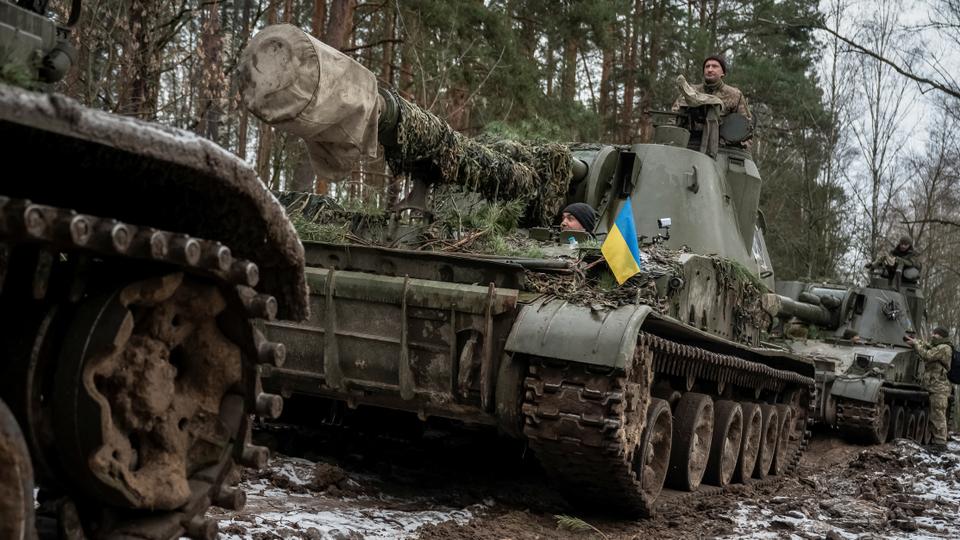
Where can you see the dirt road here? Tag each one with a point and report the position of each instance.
(450, 484)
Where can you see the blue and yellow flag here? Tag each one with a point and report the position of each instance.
(620, 248)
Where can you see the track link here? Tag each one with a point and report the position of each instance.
(859, 419)
(578, 419)
(43, 248)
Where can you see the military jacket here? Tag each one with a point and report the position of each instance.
(732, 97)
(936, 359)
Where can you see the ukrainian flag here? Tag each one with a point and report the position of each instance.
(620, 248)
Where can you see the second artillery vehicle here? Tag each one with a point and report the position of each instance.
(133, 260)
(868, 379)
(618, 390)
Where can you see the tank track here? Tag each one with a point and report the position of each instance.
(859, 419)
(35, 277)
(573, 420)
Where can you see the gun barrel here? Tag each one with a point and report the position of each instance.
(307, 88)
(782, 306)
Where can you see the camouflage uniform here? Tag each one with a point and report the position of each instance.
(936, 358)
(732, 97)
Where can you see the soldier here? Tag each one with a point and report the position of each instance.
(936, 357)
(714, 70)
(578, 217)
(902, 253)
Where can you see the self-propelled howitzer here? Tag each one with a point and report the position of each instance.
(618, 390)
(868, 378)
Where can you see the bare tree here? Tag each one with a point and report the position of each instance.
(881, 132)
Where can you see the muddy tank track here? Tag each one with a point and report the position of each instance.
(578, 421)
(122, 322)
(871, 422)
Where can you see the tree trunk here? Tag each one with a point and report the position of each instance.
(389, 33)
(606, 67)
(140, 71)
(630, 74)
(319, 18)
(340, 26)
(242, 128)
(265, 139)
(568, 80)
(211, 78)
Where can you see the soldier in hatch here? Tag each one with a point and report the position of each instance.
(714, 70)
(578, 217)
(936, 357)
(902, 253)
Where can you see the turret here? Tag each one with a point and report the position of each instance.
(300, 85)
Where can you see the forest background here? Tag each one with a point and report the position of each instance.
(853, 153)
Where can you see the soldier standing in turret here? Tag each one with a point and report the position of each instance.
(936, 357)
(901, 253)
(714, 70)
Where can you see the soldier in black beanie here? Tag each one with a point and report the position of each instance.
(579, 217)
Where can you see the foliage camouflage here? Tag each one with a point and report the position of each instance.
(536, 175)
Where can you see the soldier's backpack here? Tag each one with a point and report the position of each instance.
(953, 374)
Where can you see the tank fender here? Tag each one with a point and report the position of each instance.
(148, 175)
(859, 388)
(555, 328)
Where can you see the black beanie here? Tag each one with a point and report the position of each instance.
(584, 214)
(941, 331)
(719, 59)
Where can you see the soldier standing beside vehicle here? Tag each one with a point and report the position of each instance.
(936, 357)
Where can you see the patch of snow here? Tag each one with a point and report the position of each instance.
(272, 510)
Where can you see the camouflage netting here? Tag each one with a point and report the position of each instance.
(602, 292)
(538, 175)
(747, 291)
(319, 218)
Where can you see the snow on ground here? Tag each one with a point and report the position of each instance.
(297, 498)
(904, 492)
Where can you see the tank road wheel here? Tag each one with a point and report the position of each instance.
(910, 431)
(898, 419)
(655, 442)
(781, 457)
(151, 403)
(725, 448)
(749, 442)
(922, 429)
(881, 426)
(769, 435)
(16, 480)
(692, 437)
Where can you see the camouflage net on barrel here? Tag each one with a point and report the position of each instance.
(537, 175)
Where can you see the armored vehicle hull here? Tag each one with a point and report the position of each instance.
(613, 402)
(619, 390)
(133, 261)
(869, 383)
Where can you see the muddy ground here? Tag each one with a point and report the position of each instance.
(443, 482)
